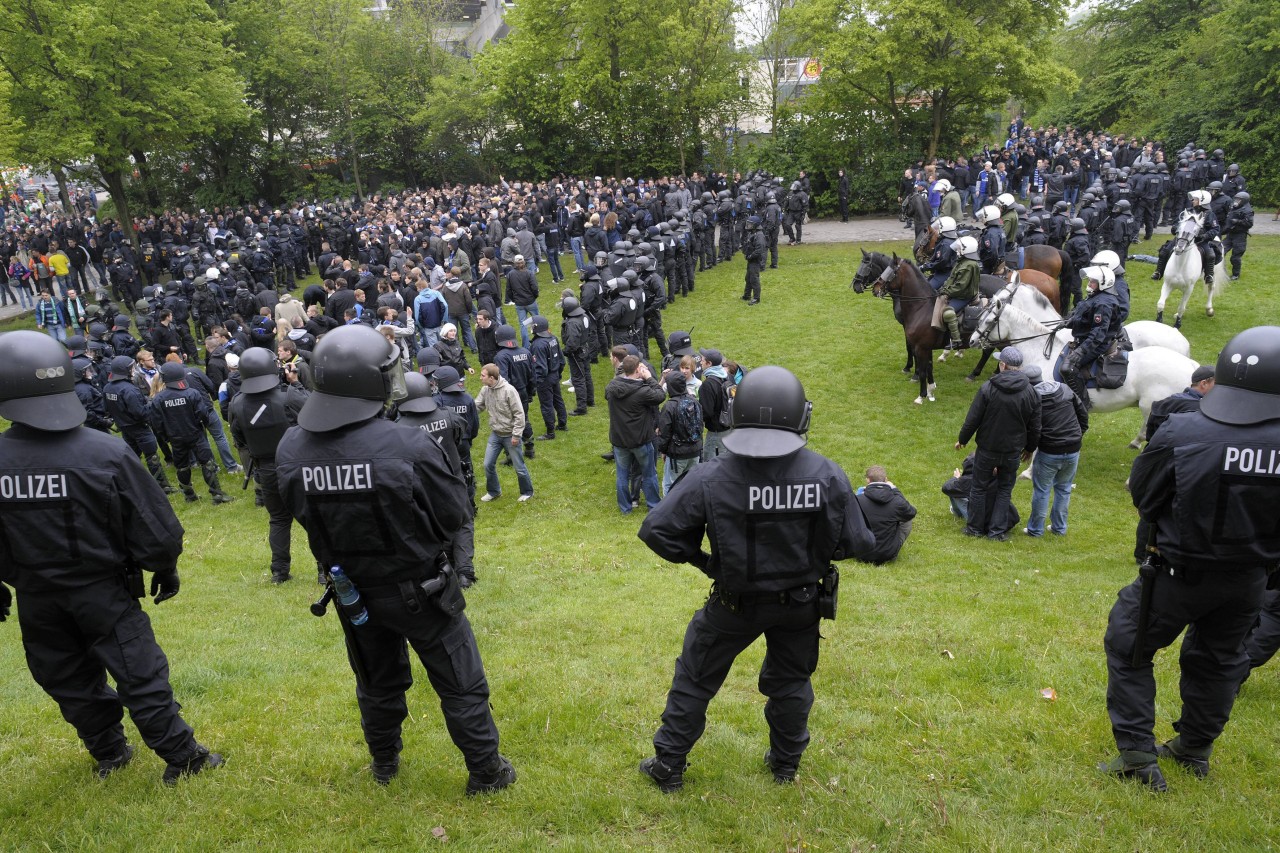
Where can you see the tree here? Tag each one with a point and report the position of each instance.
(948, 61)
(109, 80)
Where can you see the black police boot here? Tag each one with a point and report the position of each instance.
(107, 766)
(547, 437)
(668, 778)
(210, 473)
(157, 471)
(528, 450)
(495, 776)
(384, 768)
(783, 772)
(1194, 760)
(1138, 766)
(577, 413)
(281, 577)
(201, 761)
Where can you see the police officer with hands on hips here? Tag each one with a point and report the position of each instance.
(267, 405)
(1208, 482)
(776, 514)
(80, 519)
(379, 500)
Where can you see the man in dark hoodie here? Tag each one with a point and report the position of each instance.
(1063, 423)
(634, 396)
(1005, 416)
(888, 513)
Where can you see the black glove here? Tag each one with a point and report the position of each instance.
(165, 585)
(6, 601)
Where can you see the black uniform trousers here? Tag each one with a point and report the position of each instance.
(1264, 641)
(751, 289)
(74, 638)
(1235, 243)
(994, 475)
(714, 639)
(653, 329)
(772, 237)
(1217, 609)
(551, 403)
(379, 655)
(281, 520)
(584, 388)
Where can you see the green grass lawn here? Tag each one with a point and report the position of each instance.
(929, 732)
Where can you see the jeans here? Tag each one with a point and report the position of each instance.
(464, 326)
(220, 441)
(643, 458)
(575, 244)
(959, 508)
(58, 332)
(429, 336)
(673, 469)
(491, 451)
(1056, 471)
(712, 445)
(525, 314)
(553, 261)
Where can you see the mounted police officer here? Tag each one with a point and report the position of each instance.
(991, 245)
(265, 407)
(1209, 486)
(1204, 238)
(1093, 327)
(344, 467)
(778, 514)
(960, 288)
(79, 522)
(943, 259)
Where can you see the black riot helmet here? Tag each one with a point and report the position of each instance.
(172, 373)
(355, 370)
(259, 370)
(1247, 379)
(1214, 186)
(770, 414)
(1061, 207)
(540, 325)
(1241, 198)
(1078, 226)
(1233, 169)
(570, 306)
(420, 400)
(37, 383)
(505, 335)
(1123, 206)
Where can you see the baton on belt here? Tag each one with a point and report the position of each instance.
(1148, 570)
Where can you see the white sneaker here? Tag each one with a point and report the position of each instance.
(566, 382)
(570, 389)
(524, 498)
(487, 497)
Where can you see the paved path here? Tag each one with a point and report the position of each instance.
(864, 230)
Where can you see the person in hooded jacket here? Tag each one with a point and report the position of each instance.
(457, 295)
(888, 513)
(634, 396)
(1005, 417)
(1064, 419)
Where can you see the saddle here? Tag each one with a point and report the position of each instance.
(1109, 371)
(968, 318)
(1014, 260)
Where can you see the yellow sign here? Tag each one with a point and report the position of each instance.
(812, 69)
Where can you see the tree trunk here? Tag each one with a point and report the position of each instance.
(61, 177)
(939, 105)
(148, 186)
(113, 177)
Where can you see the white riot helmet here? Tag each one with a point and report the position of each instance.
(943, 186)
(989, 214)
(211, 274)
(966, 247)
(1199, 198)
(1006, 201)
(1101, 276)
(946, 226)
(1107, 258)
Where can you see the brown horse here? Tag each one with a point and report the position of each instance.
(1041, 282)
(1054, 263)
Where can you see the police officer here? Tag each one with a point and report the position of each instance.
(1209, 226)
(1208, 568)
(259, 416)
(1122, 230)
(797, 208)
(344, 467)
(128, 408)
(960, 289)
(991, 244)
(548, 367)
(515, 364)
(184, 413)
(423, 410)
(1093, 328)
(86, 385)
(1235, 231)
(944, 257)
(77, 516)
(756, 251)
(770, 565)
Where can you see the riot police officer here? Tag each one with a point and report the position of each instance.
(991, 245)
(515, 363)
(345, 467)
(548, 367)
(1093, 327)
(943, 259)
(1235, 230)
(259, 416)
(772, 547)
(79, 522)
(184, 413)
(128, 408)
(1207, 569)
(755, 249)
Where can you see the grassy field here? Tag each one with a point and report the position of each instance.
(929, 732)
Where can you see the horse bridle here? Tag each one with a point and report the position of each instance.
(998, 305)
(881, 284)
(859, 279)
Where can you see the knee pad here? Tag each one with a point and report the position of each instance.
(948, 314)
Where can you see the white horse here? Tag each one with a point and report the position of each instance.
(1155, 372)
(1185, 267)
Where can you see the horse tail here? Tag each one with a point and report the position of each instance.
(1066, 279)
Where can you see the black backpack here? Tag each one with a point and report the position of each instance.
(687, 426)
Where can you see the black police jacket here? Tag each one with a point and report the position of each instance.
(548, 362)
(515, 364)
(259, 421)
(125, 404)
(77, 507)
(183, 413)
(465, 406)
(1186, 400)
(1211, 490)
(773, 524)
(444, 426)
(375, 498)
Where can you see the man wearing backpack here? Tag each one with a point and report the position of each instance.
(679, 431)
(713, 396)
(430, 312)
